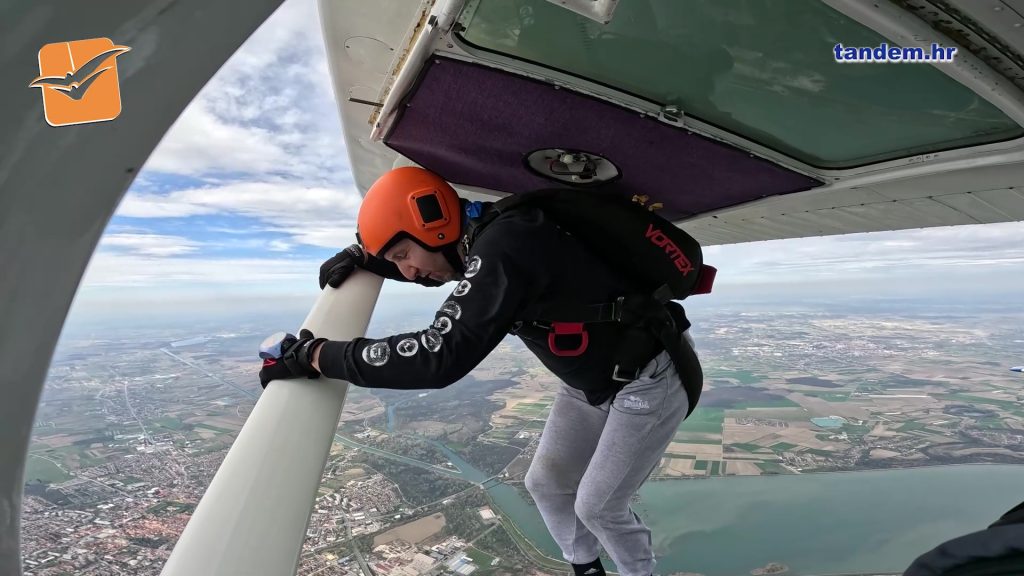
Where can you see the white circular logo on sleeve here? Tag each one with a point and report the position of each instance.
(443, 324)
(452, 309)
(462, 289)
(432, 340)
(377, 354)
(473, 267)
(408, 347)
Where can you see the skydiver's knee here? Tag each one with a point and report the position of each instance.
(588, 509)
(547, 477)
(599, 509)
(538, 480)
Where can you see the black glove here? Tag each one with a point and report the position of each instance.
(296, 359)
(338, 267)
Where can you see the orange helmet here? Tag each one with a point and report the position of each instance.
(408, 202)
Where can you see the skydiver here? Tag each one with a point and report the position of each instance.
(603, 437)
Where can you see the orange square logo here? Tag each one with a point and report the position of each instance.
(79, 81)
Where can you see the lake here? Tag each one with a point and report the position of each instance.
(836, 523)
(829, 523)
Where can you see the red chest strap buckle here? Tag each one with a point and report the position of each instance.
(568, 329)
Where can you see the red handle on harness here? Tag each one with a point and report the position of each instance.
(567, 329)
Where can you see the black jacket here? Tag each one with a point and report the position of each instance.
(518, 260)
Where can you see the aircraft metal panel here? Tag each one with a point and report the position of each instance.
(964, 180)
(834, 221)
(816, 200)
(736, 232)
(758, 228)
(976, 207)
(359, 37)
(1008, 201)
(708, 236)
(935, 213)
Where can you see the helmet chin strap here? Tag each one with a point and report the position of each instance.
(451, 254)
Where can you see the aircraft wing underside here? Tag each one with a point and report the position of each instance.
(740, 128)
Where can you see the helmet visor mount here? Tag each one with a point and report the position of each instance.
(428, 210)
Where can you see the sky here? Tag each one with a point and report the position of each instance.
(251, 189)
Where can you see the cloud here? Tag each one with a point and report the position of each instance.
(279, 246)
(310, 215)
(201, 142)
(148, 244)
(871, 254)
(108, 269)
(270, 110)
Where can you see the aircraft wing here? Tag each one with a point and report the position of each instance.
(740, 128)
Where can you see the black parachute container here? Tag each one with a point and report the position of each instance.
(663, 262)
(666, 262)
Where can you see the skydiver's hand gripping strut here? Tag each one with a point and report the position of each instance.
(285, 356)
(339, 267)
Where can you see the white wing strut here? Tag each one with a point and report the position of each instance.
(252, 519)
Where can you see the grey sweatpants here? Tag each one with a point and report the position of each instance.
(592, 459)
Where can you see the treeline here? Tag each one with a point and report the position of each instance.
(462, 515)
(410, 447)
(491, 458)
(464, 403)
(499, 544)
(418, 486)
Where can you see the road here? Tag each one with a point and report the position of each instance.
(363, 566)
(145, 433)
(248, 393)
(398, 457)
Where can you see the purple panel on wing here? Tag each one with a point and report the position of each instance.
(474, 125)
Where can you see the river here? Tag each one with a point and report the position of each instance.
(829, 523)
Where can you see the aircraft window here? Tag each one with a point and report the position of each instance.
(764, 70)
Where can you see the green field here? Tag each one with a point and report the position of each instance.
(503, 435)
(742, 376)
(827, 396)
(169, 422)
(1005, 404)
(696, 439)
(172, 506)
(700, 465)
(479, 557)
(704, 420)
(746, 447)
(772, 468)
(716, 467)
(782, 446)
(681, 456)
(532, 408)
(776, 402)
(992, 422)
(40, 470)
(214, 428)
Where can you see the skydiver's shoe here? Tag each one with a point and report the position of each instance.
(589, 569)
